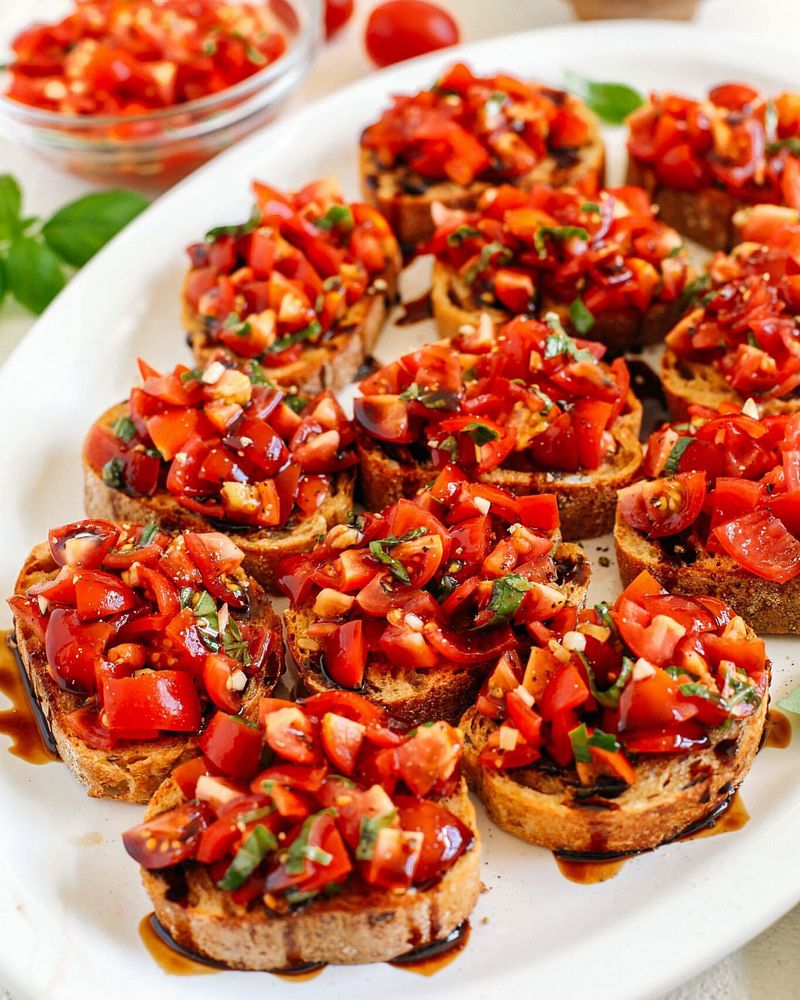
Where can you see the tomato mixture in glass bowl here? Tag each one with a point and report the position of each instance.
(654, 674)
(735, 140)
(350, 800)
(593, 256)
(227, 445)
(452, 578)
(468, 128)
(726, 483)
(149, 631)
(302, 273)
(140, 87)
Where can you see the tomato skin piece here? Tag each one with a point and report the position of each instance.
(218, 669)
(164, 700)
(762, 545)
(75, 649)
(169, 838)
(232, 747)
(101, 595)
(663, 507)
(476, 648)
(187, 774)
(566, 690)
(688, 736)
(82, 544)
(346, 654)
(446, 837)
(402, 29)
(342, 739)
(292, 735)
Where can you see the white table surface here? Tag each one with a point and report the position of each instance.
(768, 968)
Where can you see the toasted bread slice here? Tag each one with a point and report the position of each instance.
(670, 794)
(768, 606)
(358, 925)
(586, 501)
(704, 216)
(691, 382)
(329, 365)
(131, 771)
(415, 696)
(454, 307)
(262, 547)
(405, 198)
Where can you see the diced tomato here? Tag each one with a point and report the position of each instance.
(346, 654)
(170, 837)
(231, 746)
(342, 739)
(161, 699)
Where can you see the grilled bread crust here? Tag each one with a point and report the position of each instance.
(586, 501)
(411, 695)
(130, 771)
(262, 547)
(358, 925)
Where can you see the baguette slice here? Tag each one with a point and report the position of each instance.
(768, 606)
(329, 365)
(417, 696)
(687, 383)
(670, 794)
(355, 926)
(406, 199)
(704, 216)
(132, 771)
(262, 547)
(454, 306)
(586, 501)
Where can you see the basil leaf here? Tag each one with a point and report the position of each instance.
(337, 217)
(695, 289)
(10, 207)
(791, 702)
(193, 375)
(582, 742)
(249, 856)
(233, 643)
(368, 833)
(432, 399)
(700, 691)
(296, 403)
(34, 273)
(792, 144)
(604, 616)
(480, 433)
(674, 457)
(611, 102)
(148, 534)
(487, 253)
(507, 594)
(124, 428)
(449, 444)
(307, 333)
(610, 697)
(258, 375)
(112, 472)
(590, 206)
(239, 229)
(458, 236)
(379, 548)
(560, 342)
(581, 318)
(3, 282)
(300, 849)
(78, 230)
(559, 233)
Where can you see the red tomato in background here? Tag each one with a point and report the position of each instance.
(337, 14)
(403, 29)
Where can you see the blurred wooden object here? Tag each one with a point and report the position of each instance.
(600, 10)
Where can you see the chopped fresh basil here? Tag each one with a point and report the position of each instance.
(149, 532)
(368, 833)
(193, 375)
(240, 229)
(124, 428)
(700, 691)
(676, 672)
(233, 643)
(238, 326)
(471, 374)
(610, 697)
(255, 814)
(612, 102)
(507, 594)
(590, 206)
(673, 459)
(560, 233)
(792, 143)
(490, 251)
(249, 856)
(337, 217)
(480, 433)
(752, 341)
(379, 548)
(448, 444)
(458, 236)
(301, 851)
(258, 375)
(695, 289)
(254, 56)
(296, 403)
(307, 333)
(582, 742)
(604, 616)
(560, 342)
(433, 399)
(112, 472)
(580, 316)
(676, 251)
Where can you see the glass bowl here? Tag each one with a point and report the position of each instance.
(161, 146)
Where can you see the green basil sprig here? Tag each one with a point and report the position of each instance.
(611, 102)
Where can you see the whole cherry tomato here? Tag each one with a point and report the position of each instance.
(337, 14)
(402, 29)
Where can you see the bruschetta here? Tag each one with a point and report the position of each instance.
(356, 844)
(302, 287)
(525, 407)
(741, 339)
(448, 143)
(720, 513)
(131, 638)
(411, 606)
(701, 161)
(623, 728)
(601, 260)
(221, 447)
